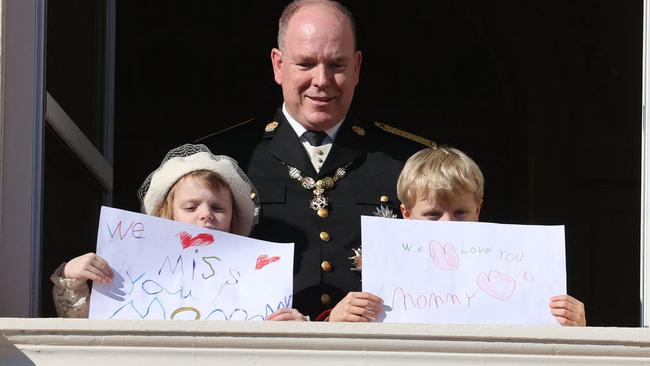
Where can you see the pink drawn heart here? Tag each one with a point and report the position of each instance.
(444, 257)
(496, 284)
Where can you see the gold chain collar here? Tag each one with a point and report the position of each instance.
(319, 202)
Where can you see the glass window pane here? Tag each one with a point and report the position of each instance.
(76, 62)
(71, 203)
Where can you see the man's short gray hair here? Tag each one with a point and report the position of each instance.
(296, 5)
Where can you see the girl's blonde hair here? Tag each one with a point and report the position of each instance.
(212, 181)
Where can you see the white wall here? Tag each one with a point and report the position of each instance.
(160, 343)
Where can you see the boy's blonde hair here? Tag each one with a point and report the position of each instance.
(443, 171)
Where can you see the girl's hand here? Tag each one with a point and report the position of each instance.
(89, 266)
(568, 310)
(287, 314)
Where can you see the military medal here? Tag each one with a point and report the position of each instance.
(384, 211)
(319, 202)
(356, 260)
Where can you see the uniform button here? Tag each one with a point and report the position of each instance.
(324, 236)
(253, 195)
(323, 212)
(326, 299)
(326, 266)
(383, 199)
(320, 160)
(319, 152)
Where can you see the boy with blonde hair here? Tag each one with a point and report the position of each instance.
(445, 184)
(440, 184)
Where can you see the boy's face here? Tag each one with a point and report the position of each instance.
(196, 204)
(460, 206)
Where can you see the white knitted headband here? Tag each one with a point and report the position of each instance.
(189, 158)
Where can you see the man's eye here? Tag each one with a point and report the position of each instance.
(189, 208)
(305, 65)
(217, 208)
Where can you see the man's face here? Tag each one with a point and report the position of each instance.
(318, 68)
(459, 207)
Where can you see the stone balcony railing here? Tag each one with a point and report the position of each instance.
(151, 342)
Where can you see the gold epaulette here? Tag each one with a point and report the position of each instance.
(407, 135)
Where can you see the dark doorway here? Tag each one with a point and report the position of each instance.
(546, 96)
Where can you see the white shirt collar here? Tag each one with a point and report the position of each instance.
(300, 129)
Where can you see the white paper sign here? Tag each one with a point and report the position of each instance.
(170, 270)
(463, 272)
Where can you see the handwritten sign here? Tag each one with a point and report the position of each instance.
(463, 272)
(170, 270)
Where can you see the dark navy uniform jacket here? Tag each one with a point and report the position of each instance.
(323, 272)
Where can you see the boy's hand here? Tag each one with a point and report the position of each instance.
(286, 314)
(357, 307)
(89, 266)
(568, 310)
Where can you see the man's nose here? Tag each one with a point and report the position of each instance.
(445, 217)
(322, 76)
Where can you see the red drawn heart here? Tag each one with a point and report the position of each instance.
(199, 240)
(444, 257)
(264, 260)
(496, 284)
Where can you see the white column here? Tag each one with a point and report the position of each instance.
(22, 23)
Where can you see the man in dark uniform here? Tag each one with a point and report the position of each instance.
(316, 169)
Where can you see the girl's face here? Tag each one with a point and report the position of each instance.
(195, 204)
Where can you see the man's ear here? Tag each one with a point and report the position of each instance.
(276, 61)
(406, 213)
(357, 65)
